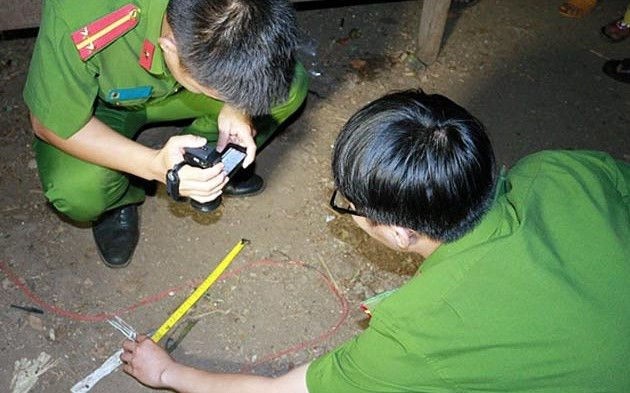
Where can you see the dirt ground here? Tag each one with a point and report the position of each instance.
(533, 77)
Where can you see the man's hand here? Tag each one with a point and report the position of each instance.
(202, 185)
(236, 127)
(146, 361)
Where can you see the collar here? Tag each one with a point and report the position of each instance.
(500, 220)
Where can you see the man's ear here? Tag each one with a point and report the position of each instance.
(167, 43)
(404, 237)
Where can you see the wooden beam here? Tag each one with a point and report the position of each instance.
(20, 14)
(431, 29)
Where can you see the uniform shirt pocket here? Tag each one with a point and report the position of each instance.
(129, 96)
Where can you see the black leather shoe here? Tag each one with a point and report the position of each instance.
(245, 183)
(206, 207)
(116, 234)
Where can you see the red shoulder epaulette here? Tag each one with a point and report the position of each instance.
(102, 32)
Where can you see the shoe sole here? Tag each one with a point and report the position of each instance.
(251, 194)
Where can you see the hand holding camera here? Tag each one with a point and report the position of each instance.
(205, 157)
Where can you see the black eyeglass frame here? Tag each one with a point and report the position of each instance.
(342, 210)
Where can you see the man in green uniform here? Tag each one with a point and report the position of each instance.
(102, 70)
(524, 285)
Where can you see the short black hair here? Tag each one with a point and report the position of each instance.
(418, 161)
(244, 49)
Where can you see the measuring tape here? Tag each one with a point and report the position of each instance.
(199, 292)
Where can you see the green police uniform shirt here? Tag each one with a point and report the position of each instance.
(536, 298)
(62, 89)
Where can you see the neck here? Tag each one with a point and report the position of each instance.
(425, 246)
(166, 28)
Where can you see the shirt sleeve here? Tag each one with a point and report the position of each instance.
(374, 361)
(60, 89)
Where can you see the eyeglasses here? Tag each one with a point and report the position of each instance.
(335, 201)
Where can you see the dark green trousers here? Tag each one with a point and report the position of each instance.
(83, 191)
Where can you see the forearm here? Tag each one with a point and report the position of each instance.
(99, 144)
(189, 380)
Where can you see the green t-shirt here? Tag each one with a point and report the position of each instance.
(62, 89)
(536, 298)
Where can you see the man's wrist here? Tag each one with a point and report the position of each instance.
(155, 166)
(170, 375)
(172, 181)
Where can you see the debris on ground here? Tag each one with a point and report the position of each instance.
(26, 372)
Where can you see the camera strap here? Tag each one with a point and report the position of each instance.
(172, 181)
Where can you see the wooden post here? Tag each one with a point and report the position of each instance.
(431, 29)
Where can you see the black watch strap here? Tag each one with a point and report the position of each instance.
(172, 181)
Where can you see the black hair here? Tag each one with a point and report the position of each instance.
(418, 161)
(243, 49)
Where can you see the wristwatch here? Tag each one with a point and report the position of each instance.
(172, 181)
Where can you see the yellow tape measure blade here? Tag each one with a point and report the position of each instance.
(198, 292)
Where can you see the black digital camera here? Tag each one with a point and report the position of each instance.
(206, 156)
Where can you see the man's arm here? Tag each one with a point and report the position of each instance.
(97, 143)
(148, 363)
